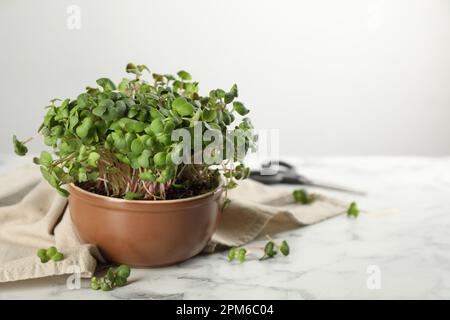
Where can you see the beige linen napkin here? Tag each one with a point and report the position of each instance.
(33, 215)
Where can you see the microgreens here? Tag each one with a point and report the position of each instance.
(270, 250)
(302, 196)
(117, 140)
(114, 278)
(353, 210)
(241, 255)
(50, 254)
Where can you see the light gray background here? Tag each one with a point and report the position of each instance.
(336, 77)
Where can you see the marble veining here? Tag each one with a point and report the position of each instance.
(403, 231)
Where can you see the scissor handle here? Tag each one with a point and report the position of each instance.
(284, 164)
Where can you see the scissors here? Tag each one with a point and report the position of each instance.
(288, 175)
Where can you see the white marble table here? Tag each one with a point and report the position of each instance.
(403, 236)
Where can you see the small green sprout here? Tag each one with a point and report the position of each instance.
(284, 248)
(353, 210)
(51, 253)
(232, 254)
(42, 253)
(19, 147)
(114, 278)
(58, 256)
(226, 203)
(123, 271)
(95, 283)
(270, 251)
(302, 196)
(241, 255)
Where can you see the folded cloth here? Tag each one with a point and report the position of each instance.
(33, 215)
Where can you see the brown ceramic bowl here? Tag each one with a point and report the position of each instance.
(145, 233)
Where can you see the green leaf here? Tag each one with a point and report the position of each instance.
(269, 249)
(241, 255)
(353, 210)
(284, 248)
(301, 196)
(160, 159)
(131, 68)
(105, 286)
(108, 103)
(143, 159)
(51, 251)
(209, 115)
(82, 175)
(42, 253)
(155, 113)
(57, 131)
(158, 77)
(123, 271)
(121, 107)
(49, 177)
(166, 175)
(19, 148)
(142, 67)
(124, 85)
(184, 75)
(99, 110)
(84, 129)
(182, 106)
(228, 98)
(232, 253)
(220, 93)
(169, 77)
(137, 146)
(62, 192)
(73, 121)
(94, 284)
(164, 139)
(119, 140)
(50, 141)
(226, 203)
(147, 176)
(132, 196)
(169, 126)
(106, 84)
(234, 91)
(45, 159)
(132, 125)
(120, 281)
(93, 158)
(240, 108)
(57, 256)
(156, 126)
(110, 275)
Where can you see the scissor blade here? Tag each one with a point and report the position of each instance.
(334, 187)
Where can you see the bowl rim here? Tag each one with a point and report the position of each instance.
(87, 194)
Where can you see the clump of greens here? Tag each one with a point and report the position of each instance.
(271, 249)
(114, 278)
(303, 197)
(240, 255)
(120, 141)
(353, 210)
(50, 254)
(19, 147)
